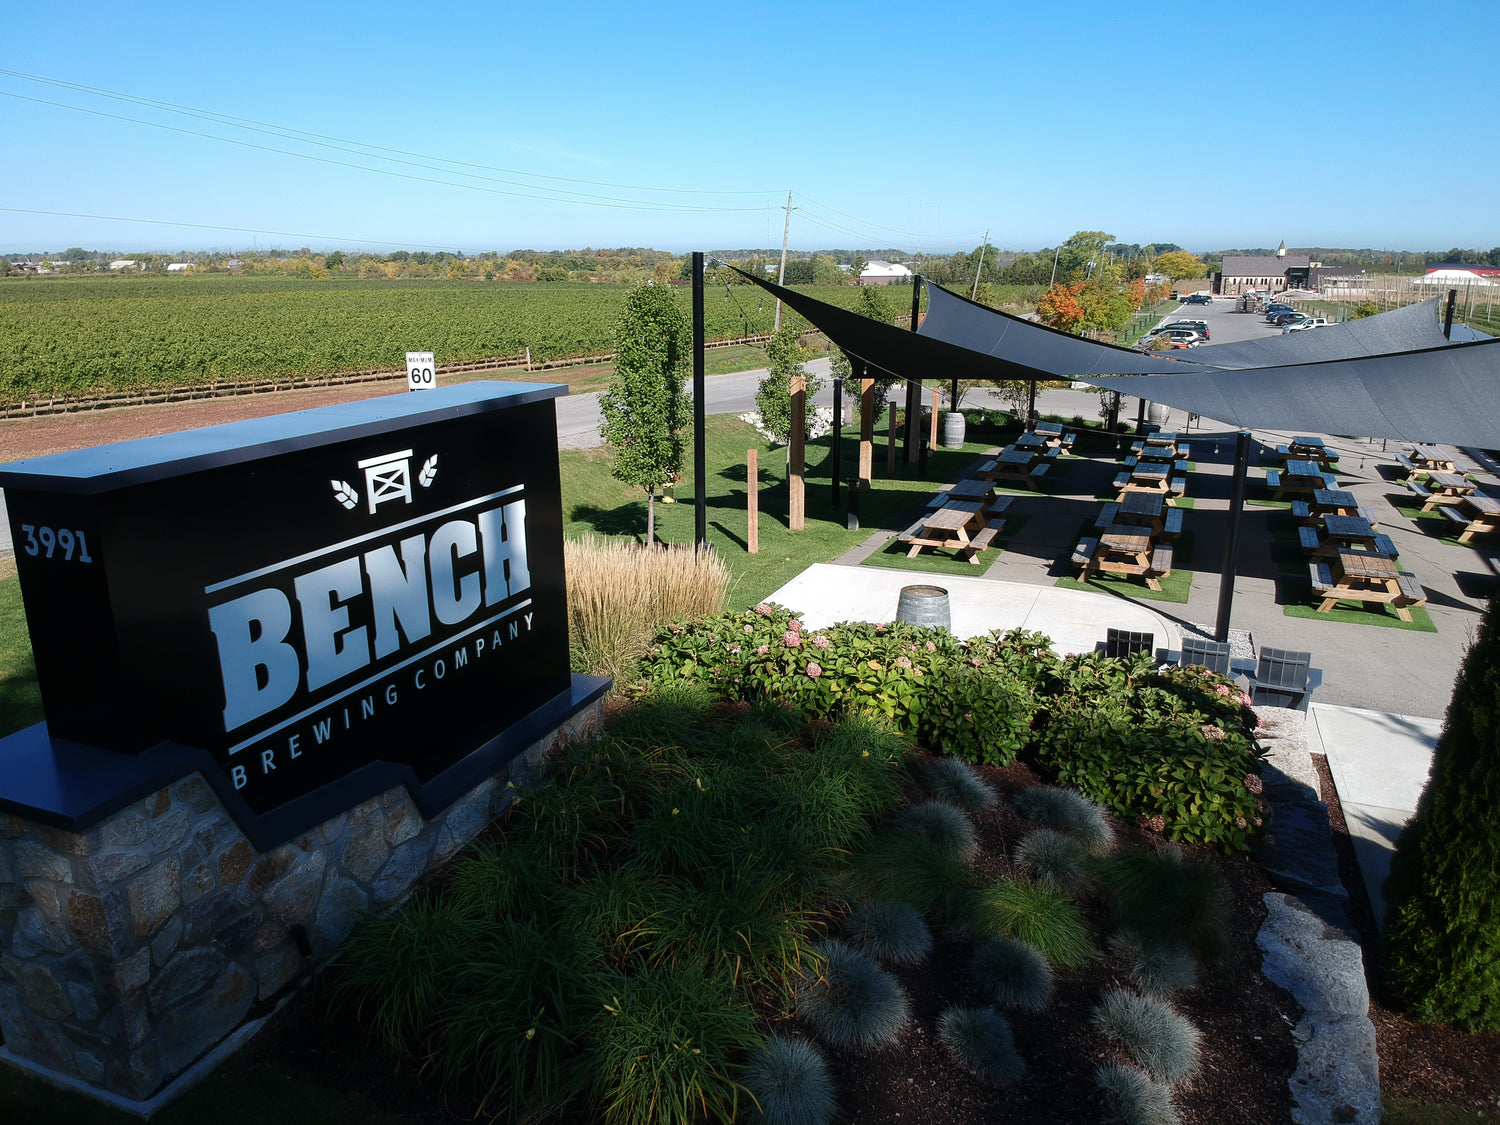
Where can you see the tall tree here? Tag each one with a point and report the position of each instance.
(646, 406)
(1442, 929)
(1178, 264)
(773, 397)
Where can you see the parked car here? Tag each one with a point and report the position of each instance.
(1198, 299)
(1199, 326)
(1309, 322)
(1275, 309)
(1182, 337)
(1283, 319)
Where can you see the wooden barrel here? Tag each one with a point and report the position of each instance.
(924, 605)
(954, 428)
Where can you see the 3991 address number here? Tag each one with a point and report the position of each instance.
(46, 542)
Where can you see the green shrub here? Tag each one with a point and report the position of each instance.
(852, 1002)
(904, 867)
(1442, 934)
(1134, 1097)
(789, 1081)
(1047, 921)
(956, 782)
(1071, 814)
(1013, 973)
(981, 1042)
(1156, 1037)
(1167, 749)
(892, 932)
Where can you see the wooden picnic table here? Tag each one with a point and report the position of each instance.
(1484, 515)
(1031, 440)
(1308, 448)
(1345, 533)
(1152, 477)
(1298, 476)
(1160, 451)
(961, 525)
(1054, 434)
(1016, 465)
(1364, 577)
(1446, 488)
(1124, 550)
(1431, 458)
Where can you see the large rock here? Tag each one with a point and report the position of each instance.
(154, 897)
(192, 1029)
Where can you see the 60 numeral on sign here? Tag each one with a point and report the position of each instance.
(46, 542)
(421, 372)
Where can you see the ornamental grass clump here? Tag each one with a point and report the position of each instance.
(1044, 919)
(981, 1042)
(893, 932)
(1169, 898)
(901, 866)
(1156, 968)
(959, 785)
(944, 827)
(620, 593)
(1072, 814)
(789, 1081)
(1053, 858)
(852, 1003)
(1134, 1097)
(1153, 1034)
(1013, 973)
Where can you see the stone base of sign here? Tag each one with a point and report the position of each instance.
(131, 949)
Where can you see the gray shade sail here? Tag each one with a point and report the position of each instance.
(1449, 395)
(1400, 330)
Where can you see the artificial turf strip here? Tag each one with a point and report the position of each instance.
(893, 554)
(1366, 613)
(1175, 587)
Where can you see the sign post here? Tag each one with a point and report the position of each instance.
(421, 372)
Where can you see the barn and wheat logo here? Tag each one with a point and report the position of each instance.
(387, 478)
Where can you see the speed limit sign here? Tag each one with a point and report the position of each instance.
(421, 373)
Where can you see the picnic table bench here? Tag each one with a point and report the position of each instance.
(1345, 532)
(1299, 476)
(1119, 515)
(1055, 434)
(1359, 577)
(1018, 466)
(1330, 502)
(1123, 550)
(1480, 515)
(961, 525)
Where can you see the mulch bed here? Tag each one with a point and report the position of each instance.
(1247, 1052)
(1420, 1062)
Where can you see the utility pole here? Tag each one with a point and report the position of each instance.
(975, 292)
(781, 276)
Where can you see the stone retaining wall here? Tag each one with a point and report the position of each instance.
(130, 950)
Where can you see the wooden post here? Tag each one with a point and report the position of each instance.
(866, 427)
(890, 442)
(752, 499)
(797, 455)
(932, 437)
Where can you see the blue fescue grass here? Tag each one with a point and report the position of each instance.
(1134, 1098)
(789, 1081)
(1013, 973)
(959, 784)
(1157, 1037)
(1041, 917)
(892, 932)
(1053, 858)
(980, 1041)
(945, 827)
(1071, 813)
(853, 1003)
(1156, 968)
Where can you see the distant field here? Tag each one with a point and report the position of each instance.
(84, 337)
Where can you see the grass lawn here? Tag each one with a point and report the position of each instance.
(20, 698)
(1175, 587)
(1365, 613)
(893, 555)
(595, 502)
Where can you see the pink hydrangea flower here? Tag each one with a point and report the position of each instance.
(749, 628)
(791, 639)
(931, 647)
(1212, 732)
(821, 642)
(763, 609)
(1245, 700)
(903, 662)
(814, 670)
(1223, 689)
(762, 650)
(880, 627)
(795, 625)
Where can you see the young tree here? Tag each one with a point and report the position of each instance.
(646, 406)
(773, 398)
(1442, 919)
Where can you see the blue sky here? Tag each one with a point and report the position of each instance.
(469, 126)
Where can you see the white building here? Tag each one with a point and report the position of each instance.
(124, 264)
(884, 273)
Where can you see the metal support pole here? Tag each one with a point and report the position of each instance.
(851, 518)
(838, 438)
(1232, 534)
(913, 387)
(1031, 405)
(700, 446)
(1448, 315)
(922, 461)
